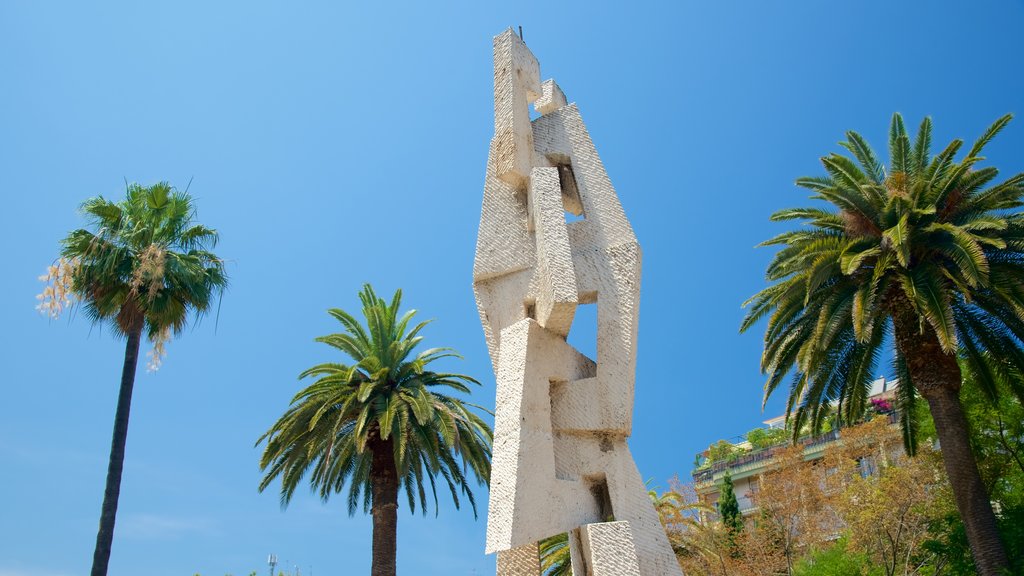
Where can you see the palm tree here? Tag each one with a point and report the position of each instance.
(928, 256)
(144, 267)
(379, 424)
(555, 559)
(680, 512)
(668, 505)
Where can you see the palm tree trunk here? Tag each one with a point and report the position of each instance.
(968, 490)
(936, 375)
(384, 479)
(105, 537)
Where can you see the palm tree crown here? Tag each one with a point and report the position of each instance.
(145, 263)
(386, 394)
(929, 253)
(379, 424)
(931, 238)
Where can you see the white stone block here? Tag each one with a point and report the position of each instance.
(551, 98)
(516, 85)
(557, 294)
(608, 549)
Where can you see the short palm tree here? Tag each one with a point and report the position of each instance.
(928, 255)
(669, 505)
(379, 424)
(555, 558)
(677, 515)
(143, 268)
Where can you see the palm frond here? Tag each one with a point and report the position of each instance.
(934, 235)
(899, 145)
(385, 397)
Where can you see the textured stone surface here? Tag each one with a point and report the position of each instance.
(557, 295)
(516, 84)
(561, 461)
(551, 98)
(608, 549)
(522, 561)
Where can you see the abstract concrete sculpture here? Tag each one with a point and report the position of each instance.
(561, 462)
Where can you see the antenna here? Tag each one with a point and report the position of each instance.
(521, 33)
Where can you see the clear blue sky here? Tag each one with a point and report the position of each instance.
(337, 145)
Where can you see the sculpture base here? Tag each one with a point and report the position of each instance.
(599, 549)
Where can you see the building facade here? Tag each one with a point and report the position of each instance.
(745, 463)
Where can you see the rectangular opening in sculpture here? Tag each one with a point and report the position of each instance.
(570, 193)
(583, 334)
(602, 498)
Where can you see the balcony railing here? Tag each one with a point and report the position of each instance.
(762, 455)
(765, 454)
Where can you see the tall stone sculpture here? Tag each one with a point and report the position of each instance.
(561, 462)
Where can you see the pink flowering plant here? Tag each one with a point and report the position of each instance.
(881, 406)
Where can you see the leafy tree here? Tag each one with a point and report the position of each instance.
(887, 513)
(761, 438)
(839, 559)
(997, 434)
(729, 507)
(708, 547)
(379, 424)
(792, 510)
(143, 268)
(997, 437)
(930, 253)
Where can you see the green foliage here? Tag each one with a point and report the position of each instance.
(729, 507)
(933, 238)
(386, 395)
(554, 556)
(908, 499)
(997, 433)
(948, 540)
(722, 451)
(997, 439)
(761, 438)
(836, 560)
(144, 260)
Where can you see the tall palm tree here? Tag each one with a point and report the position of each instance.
(379, 424)
(143, 268)
(928, 255)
